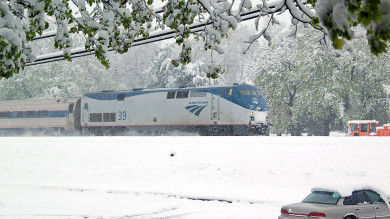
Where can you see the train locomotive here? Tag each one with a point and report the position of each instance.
(218, 110)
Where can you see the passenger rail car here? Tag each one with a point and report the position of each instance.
(224, 110)
(18, 116)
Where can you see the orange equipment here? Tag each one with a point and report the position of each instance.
(363, 127)
(384, 131)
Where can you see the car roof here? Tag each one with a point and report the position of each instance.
(346, 189)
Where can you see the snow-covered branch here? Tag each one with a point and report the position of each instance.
(115, 24)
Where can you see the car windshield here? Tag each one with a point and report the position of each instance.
(322, 197)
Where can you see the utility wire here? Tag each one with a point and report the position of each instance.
(162, 35)
(53, 33)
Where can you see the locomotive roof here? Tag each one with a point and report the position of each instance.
(206, 88)
(245, 101)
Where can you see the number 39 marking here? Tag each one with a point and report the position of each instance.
(122, 115)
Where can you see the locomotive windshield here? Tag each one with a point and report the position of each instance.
(252, 99)
(245, 92)
(250, 92)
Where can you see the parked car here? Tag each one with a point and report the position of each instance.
(365, 202)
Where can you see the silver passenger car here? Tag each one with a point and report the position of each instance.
(37, 115)
(366, 203)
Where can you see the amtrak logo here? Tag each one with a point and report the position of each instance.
(195, 108)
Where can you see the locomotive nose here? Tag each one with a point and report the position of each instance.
(258, 122)
(259, 117)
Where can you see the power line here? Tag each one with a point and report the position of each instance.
(161, 35)
(53, 33)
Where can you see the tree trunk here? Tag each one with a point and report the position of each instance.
(326, 127)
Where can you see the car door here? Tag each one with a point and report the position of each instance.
(361, 204)
(381, 208)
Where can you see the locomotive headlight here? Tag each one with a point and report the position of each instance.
(259, 108)
(252, 116)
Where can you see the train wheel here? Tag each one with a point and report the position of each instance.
(214, 131)
(226, 131)
(204, 131)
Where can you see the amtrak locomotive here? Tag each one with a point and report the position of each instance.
(223, 110)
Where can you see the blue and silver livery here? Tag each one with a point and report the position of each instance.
(222, 110)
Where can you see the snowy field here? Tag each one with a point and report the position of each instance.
(178, 177)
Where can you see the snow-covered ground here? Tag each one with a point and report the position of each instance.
(178, 177)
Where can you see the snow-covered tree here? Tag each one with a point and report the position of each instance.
(365, 78)
(339, 18)
(131, 67)
(296, 80)
(115, 24)
(59, 80)
(234, 63)
(312, 88)
(163, 74)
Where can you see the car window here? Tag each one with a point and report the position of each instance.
(322, 197)
(357, 197)
(374, 197)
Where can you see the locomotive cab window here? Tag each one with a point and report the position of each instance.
(227, 92)
(198, 94)
(182, 94)
(245, 92)
(171, 95)
(256, 93)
